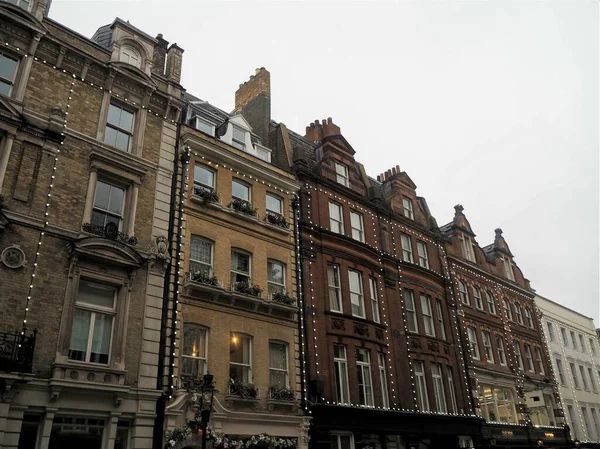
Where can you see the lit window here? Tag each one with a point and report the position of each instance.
(408, 209)
(427, 316)
(517, 349)
(473, 344)
(201, 254)
(468, 248)
(333, 281)
(336, 221)
(193, 357)
(340, 365)
(108, 204)
(508, 270)
(341, 174)
(91, 333)
(539, 360)
(119, 127)
(529, 358)
(204, 178)
(451, 390)
(411, 316)
(356, 294)
(501, 351)
(438, 388)
(240, 358)
(365, 383)
(240, 268)
(464, 294)
(383, 380)
(478, 298)
(240, 191)
(274, 204)
(238, 139)
(491, 303)
(421, 386)
(407, 253)
(518, 313)
(374, 299)
(278, 365)
(275, 277)
(497, 404)
(8, 70)
(528, 317)
(422, 252)
(507, 310)
(487, 346)
(440, 317)
(356, 221)
(130, 56)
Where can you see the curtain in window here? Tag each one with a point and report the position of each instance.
(79, 334)
(101, 338)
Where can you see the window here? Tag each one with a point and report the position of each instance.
(274, 204)
(592, 381)
(472, 335)
(201, 252)
(422, 252)
(8, 70)
(130, 56)
(238, 139)
(464, 295)
(438, 388)
(374, 299)
(564, 336)
(262, 153)
(333, 280)
(529, 358)
(581, 343)
(240, 358)
(411, 316)
(507, 310)
(453, 404)
(583, 378)
(240, 267)
(193, 354)
(108, 204)
(119, 127)
(561, 373)
(385, 400)
(508, 270)
(278, 364)
(365, 384)
(356, 221)
(574, 426)
(468, 248)
(342, 441)
(491, 303)
(500, 400)
(91, 333)
(573, 340)
(421, 386)
(23, 4)
(205, 126)
(341, 174)
(595, 419)
(518, 356)
(478, 299)
(204, 178)
(586, 425)
(407, 254)
(341, 374)
(487, 346)
(518, 313)
(550, 331)
(592, 346)
(440, 318)
(427, 316)
(240, 191)
(356, 294)
(336, 221)
(528, 317)
(574, 375)
(501, 351)
(408, 209)
(275, 277)
(539, 360)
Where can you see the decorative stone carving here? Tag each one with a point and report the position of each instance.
(446, 349)
(74, 375)
(13, 257)
(396, 333)
(433, 346)
(91, 377)
(379, 334)
(361, 329)
(415, 343)
(338, 324)
(159, 253)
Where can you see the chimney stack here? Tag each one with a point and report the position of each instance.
(253, 101)
(174, 59)
(159, 56)
(318, 131)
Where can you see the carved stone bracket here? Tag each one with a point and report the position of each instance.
(159, 254)
(433, 346)
(396, 334)
(361, 329)
(379, 334)
(338, 324)
(415, 343)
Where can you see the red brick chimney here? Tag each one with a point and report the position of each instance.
(253, 101)
(318, 131)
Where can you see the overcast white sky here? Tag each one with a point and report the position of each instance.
(493, 105)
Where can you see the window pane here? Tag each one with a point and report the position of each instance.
(274, 204)
(275, 272)
(239, 190)
(96, 294)
(240, 262)
(110, 136)
(122, 141)
(79, 334)
(98, 218)
(101, 338)
(115, 203)
(102, 195)
(126, 121)
(201, 251)
(238, 134)
(4, 88)
(8, 67)
(240, 350)
(204, 176)
(335, 211)
(194, 341)
(278, 356)
(114, 115)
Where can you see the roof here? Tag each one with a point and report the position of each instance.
(103, 35)
(305, 148)
(446, 229)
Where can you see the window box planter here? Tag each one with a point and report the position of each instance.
(282, 394)
(204, 278)
(243, 390)
(110, 231)
(276, 220)
(283, 298)
(208, 196)
(247, 289)
(243, 207)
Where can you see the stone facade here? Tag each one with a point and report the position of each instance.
(88, 139)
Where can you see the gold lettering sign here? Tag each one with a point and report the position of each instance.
(507, 433)
(549, 435)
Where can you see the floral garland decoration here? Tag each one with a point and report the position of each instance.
(222, 441)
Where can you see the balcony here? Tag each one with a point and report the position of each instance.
(16, 351)
(110, 231)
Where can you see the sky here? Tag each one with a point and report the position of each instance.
(492, 105)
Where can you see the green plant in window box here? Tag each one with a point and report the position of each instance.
(283, 298)
(277, 220)
(208, 196)
(246, 390)
(243, 206)
(281, 393)
(204, 278)
(247, 288)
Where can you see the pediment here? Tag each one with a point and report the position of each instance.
(460, 221)
(338, 141)
(500, 243)
(107, 251)
(22, 17)
(239, 120)
(134, 73)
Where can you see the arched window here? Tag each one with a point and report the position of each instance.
(507, 310)
(130, 56)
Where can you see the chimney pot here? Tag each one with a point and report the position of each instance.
(394, 170)
(324, 122)
(329, 121)
(159, 36)
(398, 168)
(379, 178)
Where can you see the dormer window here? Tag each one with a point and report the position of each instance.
(468, 248)
(238, 139)
(508, 271)
(205, 126)
(341, 174)
(408, 209)
(130, 56)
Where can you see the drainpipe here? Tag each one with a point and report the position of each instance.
(300, 292)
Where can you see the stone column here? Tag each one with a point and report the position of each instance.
(46, 428)
(4, 408)
(87, 212)
(12, 431)
(142, 432)
(132, 209)
(6, 149)
(111, 431)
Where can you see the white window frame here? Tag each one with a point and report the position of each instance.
(473, 343)
(581, 343)
(573, 340)
(385, 397)
(357, 298)
(411, 312)
(539, 360)
(421, 385)
(201, 362)
(335, 289)
(584, 381)
(276, 198)
(507, 309)
(452, 392)
(486, 337)
(463, 291)
(468, 248)
(592, 346)
(407, 252)
(574, 375)
(358, 233)
(439, 392)
(477, 298)
(374, 300)
(336, 224)
(204, 126)
(491, 302)
(508, 269)
(246, 186)
(273, 286)
(200, 184)
(550, 327)
(364, 372)
(407, 207)
(501, 350)
(118, 129)
(529, 318)
(440, 318)
(592, 380)
(427, 311)
(563, 333)
(10, 82)
(240, 144)
(106, 212)
(209, 265)
(341, 374)
(518, 356)
(529, 358)
(519, 313)
(285, 370)
(240, 338)
(236, 271)
(422, 253)
(341, 174)
(127, 52)
(561, 372)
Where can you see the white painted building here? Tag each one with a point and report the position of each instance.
(575, 353)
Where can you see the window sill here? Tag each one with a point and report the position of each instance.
(88, 373)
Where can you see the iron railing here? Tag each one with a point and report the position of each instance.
(16, 351)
